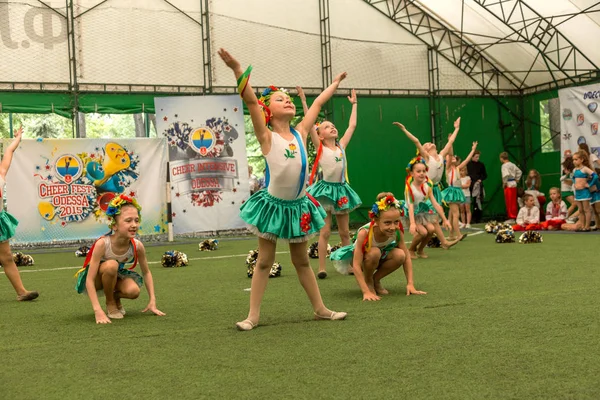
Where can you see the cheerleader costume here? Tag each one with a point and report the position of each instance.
(585, 193)
(418, 197)
(129, 257)
(333, 191)
(453, 193)
(8, 223)
(284, 210)
(435, 173)
(342, 257)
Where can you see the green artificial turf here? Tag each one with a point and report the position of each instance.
(500, 321)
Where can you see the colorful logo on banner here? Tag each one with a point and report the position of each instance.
(73, 186)
(567, 114)
(593, 107)
(595, 128)
(204, 170)
(580, 119)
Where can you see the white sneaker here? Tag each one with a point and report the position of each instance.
(571, 221)
(510, 221)
(468, 226)
(461, 225)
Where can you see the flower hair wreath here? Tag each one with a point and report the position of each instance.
(384, 204)
(115, 205)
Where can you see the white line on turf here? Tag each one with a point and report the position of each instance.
(189, 259)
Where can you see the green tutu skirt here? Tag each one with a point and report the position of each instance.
(8, 225)
(122, 273)
(437, 193)
(453, 194)
(424, 214)
(335, 197)
(272, 218)
(342, 258)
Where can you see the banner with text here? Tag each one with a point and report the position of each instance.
(207, 160)
(59, 188)
(580, 117)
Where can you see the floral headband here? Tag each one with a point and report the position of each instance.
(115, 205)
(265, 98)
(414, 161)
(384, 204)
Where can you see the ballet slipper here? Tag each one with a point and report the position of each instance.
(245, 325)
(28, 296)
(334, 316)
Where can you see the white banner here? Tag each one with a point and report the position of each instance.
(580, 117)
(208, 165)
(58, 188)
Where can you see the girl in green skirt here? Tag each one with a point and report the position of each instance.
(8, 224)
(283, 210)
(333, 191)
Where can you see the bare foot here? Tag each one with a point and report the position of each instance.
(422, 254)
(413, 255)
(449, 244)
(379, 289)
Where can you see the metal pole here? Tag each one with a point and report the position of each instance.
(10, 125)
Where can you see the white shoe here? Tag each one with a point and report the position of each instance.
(468, 226)
(510, 221)
(571, 221)
(461, 225)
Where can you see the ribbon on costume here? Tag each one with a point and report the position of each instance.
(243, 80)
(304, 161)
(88, 258)
(344, 177)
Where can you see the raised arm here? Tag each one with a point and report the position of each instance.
(466, 161)
(314, 135)
(313, 112)
(415, 140)
(345, 140)
(448, 148)
(10, 149)
(260, 129)
(141, 251)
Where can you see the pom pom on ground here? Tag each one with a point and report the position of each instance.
(209, 245)
(22, 260)
(251, 264)
(82, 251)
(174, 259)
(506, 235)
(531, 237)
(334, 248)
(313, 250)
(492, 227)
(434, 242)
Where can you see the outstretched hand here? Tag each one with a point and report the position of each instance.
(101, 317)
(151, 307)
(370, 296)
(457, 123)
(352, 97)
(340, 77)
(228, 59)
(474, 146)
(301, 93)
(18, 132)
(399, 125)
(410, 289)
